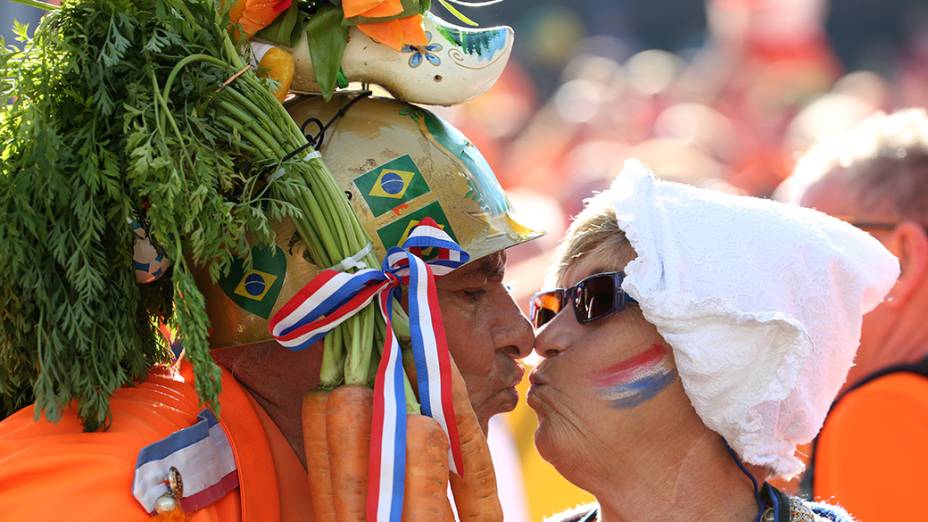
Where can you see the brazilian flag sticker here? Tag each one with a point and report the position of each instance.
(391, 184)
(396, 233)
(256, 290)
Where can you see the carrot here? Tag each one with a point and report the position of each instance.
(448, 514)
(348, 434)
(475, 493)
(426, 493)
(316, 446)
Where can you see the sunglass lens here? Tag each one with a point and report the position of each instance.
(594, 298)
(545, 307)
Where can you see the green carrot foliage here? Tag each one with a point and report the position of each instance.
(114, 111)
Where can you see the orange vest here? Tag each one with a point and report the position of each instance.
(57, 472)
(871, 456)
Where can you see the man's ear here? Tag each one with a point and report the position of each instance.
(909, 243)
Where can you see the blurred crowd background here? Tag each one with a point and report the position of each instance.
(724, 94)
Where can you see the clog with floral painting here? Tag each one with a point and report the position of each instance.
(452, 65)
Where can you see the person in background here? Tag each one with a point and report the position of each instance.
(871, 454)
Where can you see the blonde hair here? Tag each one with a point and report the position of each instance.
(593, 232)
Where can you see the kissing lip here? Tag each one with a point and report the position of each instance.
(537, 378)
(517, 377)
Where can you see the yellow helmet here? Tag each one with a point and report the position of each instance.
(398, 164)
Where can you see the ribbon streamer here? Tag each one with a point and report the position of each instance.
(332, 297)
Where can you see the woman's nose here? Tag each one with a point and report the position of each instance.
(554, 337)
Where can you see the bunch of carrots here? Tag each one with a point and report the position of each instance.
(336, 437)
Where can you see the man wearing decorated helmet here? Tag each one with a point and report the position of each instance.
(398, 165)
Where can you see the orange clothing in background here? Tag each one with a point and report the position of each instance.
(872, 454)
(57, 472)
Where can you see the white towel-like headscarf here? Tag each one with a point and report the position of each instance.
(760, 301)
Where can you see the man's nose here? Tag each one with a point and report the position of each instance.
(512, 332)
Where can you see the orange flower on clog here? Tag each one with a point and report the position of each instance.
(393, 33)
(371, 8)
(254, 15)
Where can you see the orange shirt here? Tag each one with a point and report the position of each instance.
(57, 472)
(872, 453)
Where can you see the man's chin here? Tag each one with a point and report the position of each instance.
(510, 399)
(502, 402)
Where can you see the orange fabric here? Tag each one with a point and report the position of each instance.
(397, 33)
(56, 471)
(296, 503)
(872, 454)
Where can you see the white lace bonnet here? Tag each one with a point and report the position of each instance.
(760, 301)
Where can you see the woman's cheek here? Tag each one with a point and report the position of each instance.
(631, 382)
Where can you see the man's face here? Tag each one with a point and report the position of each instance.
(486, 334)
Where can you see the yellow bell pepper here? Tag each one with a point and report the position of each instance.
(279, 65)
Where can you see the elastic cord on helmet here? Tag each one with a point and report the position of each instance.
(315, 140)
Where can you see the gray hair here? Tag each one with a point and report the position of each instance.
(883, 163)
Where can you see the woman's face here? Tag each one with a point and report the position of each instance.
(604, 386)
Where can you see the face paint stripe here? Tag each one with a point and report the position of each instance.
(632, 367)
(637, 379)
(639, 386)
(631, 375)
(655, 386)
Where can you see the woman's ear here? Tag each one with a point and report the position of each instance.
(909, 243)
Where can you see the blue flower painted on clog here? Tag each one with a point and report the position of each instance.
(420, 52)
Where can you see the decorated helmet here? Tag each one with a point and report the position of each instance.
(398, 164)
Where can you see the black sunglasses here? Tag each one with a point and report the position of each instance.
(595, 297)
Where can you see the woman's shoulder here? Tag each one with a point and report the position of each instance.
(808, 511)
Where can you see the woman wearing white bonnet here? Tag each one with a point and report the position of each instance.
(693, 341)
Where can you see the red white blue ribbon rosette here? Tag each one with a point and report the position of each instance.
(332, 297)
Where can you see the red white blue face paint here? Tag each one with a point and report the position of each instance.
(637, 379)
